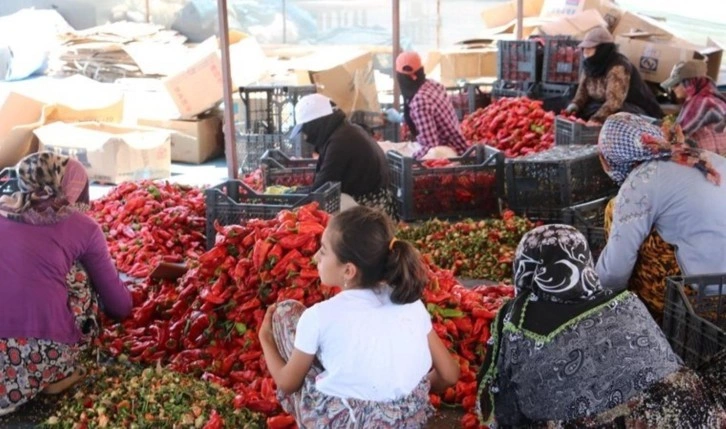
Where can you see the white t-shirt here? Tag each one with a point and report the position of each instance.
(371, 348)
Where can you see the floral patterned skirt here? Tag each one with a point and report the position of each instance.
(29, 365)
(314, 409)
(656, 261)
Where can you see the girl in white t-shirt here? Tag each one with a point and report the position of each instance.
(368, 356)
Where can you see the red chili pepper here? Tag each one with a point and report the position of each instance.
(215, 421)
(283, 421)
(198, 322)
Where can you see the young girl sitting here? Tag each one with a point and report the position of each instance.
(364, 357)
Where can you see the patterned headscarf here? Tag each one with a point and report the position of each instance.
(51, 187)
(554, 263)
(626, 140)
(704, 106)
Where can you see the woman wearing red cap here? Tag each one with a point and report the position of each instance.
(427, 109)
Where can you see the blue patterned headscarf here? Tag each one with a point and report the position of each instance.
(627, 140)
(621, 144)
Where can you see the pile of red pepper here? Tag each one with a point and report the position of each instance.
(206, 322)
(291, 178)
(477, 249)
(516, 126)
(149, 222)
(255, 180)
(439, 190)
(461, 318)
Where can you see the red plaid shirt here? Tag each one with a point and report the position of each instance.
(709, 139)
(435, 118)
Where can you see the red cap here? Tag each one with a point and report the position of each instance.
(408, 63)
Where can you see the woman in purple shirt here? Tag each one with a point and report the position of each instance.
(45, 233)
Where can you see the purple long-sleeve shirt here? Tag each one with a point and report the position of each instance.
(34, 262)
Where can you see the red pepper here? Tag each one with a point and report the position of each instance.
(283, 421)
(259, 253)
(215, 421)
(294, 241)
(198, 322)
(285, 264)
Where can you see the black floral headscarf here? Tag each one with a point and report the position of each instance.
(554, 263)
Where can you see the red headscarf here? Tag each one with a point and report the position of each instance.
(704, 105)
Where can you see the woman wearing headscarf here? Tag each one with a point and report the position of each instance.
(703, 115)
(567, 351)
(609, 82)
(427, 109)
(666, 187)
(44, 310)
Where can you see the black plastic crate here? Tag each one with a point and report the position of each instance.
(271, 109)
(479, 95)
(552, 90)
(459, 99)
(568, 132)
(555, 97)
(503, 88)
(694, 317)
(233, 202)
(562, 61)
(519, 60)
(279, 169)
(251, 147)
(556, 179)
(8, 181)
(472, 187)
(589, 219)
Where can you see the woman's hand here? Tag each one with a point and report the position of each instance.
(265, 334)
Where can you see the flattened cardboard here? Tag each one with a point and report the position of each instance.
(632, 23)
(576, 25)
(465, 64)
(345, 76)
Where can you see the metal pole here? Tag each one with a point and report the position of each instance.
(438, 24)
(148, 13)
(520, 19)
(284, 22)
(396, 49)
(230, 148)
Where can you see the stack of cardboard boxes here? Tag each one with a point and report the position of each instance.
(648, 43)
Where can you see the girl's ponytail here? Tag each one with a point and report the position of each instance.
(405, 272)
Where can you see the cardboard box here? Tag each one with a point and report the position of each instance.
(655, 58)
(503, 17)
(344, 75)
(576, 25)
(193, 141)
(111, 153)
(75, 99)
(631, 23)
(610, 12)
(198, 86)
(460, 63)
